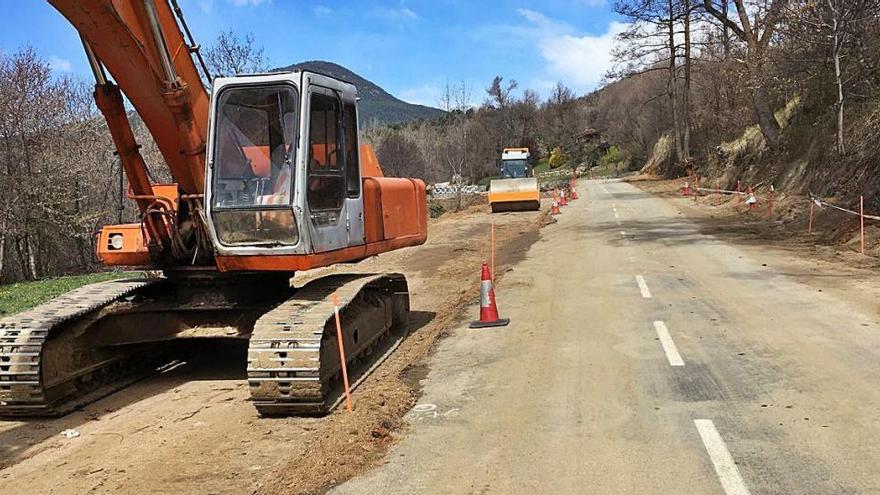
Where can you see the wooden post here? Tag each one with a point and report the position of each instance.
(492, 251)
(348, 404)
(770, 203)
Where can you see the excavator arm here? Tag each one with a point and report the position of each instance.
(141, 46)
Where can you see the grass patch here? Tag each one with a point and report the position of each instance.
(542, 166)
(752, 140)
(18, 297)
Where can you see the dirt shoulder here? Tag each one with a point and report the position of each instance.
(192, 429)
(833, 247)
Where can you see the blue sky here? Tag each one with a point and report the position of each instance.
(409, 47)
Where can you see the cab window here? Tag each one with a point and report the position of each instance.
(352, 160)
(253, 160)
(325, 169)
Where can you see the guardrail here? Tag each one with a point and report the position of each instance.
(552, 174)
(441, 191)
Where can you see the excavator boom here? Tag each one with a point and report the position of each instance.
(140, 44)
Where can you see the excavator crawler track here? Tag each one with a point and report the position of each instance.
(29, 388)
(293, 358)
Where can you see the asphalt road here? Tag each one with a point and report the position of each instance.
(646, 357)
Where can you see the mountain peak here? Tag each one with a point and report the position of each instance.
(376, 106)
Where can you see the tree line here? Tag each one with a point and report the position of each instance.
(705, 70)
(60, 178)
(466, 143)
(58, 171)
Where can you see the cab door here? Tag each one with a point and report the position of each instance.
(354, 202)
(333, 196)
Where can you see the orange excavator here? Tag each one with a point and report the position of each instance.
(269, 179)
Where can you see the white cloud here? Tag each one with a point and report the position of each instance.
(207, 6)
(405, 12)
(401, 14)
(585, 59)
(322, 11)
(426, 94)
(534, 17)
(580, 59)
(244, 3)
(543, 86)
(59, 64)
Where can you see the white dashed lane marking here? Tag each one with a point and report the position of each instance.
(668, 344)
(725, 468)
(643, 287)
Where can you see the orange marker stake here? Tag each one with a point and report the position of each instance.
(862, 218)
(810, 228)
(492, 251)
(348, 404)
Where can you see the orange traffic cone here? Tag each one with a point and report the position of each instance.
(574, 194)
(562, 200)
(686, 189)
(488, 309)
(554, 207)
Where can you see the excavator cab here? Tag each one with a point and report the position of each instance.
(283, 168)
(284, 179)
(253, 155)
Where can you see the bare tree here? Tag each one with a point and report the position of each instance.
(651, 42)
(561, 127)
(756, 33)
(400, 157)
(687, 11)
(453, 142)
(500, 93)
(55, 170)
(837, 26)
(230, 55)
